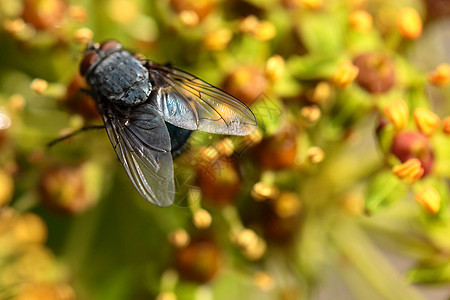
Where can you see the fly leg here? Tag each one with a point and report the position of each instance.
(65, 137)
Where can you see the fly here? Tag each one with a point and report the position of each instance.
(149, 111)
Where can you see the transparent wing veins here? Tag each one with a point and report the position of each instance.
(188, 102)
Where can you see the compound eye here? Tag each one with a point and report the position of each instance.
(110, 45)
(88, 60)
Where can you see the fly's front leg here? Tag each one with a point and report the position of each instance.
(67, 136)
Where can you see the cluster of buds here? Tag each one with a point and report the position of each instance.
(69, 190)
(260, 30)
(278, 151)
(251, 245)
(22, 238)
(219, 179)
(412, 145)
(34, 19)
(199, 261)
(248, 83)
(191, 12)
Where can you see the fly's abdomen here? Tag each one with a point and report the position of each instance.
(121, 78)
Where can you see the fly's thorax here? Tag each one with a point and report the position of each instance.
(121, 78)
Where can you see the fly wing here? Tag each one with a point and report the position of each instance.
(142, 143)
(188, 102)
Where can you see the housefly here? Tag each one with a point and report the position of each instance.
(149, 111)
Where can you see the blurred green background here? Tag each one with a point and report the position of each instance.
(342, 193)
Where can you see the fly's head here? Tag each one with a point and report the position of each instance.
(95, 52)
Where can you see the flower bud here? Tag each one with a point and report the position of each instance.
(315, 155)
(249, 24)
(311, 113)
(199, 261)
(376, 72)
(202, 219)
(14, 26)
(274, 68)
(287, 205)
(5, 121)
(252, 139)
(189, 18)
(78, 13)
(30, 228)
(345, 74)
(263, 281)
(218, 40)
(6, 188)
(219, 180)
(246, 238)
(407, 145)
(39, 86)
(16, 103)
(441, 76)
(65, 189)
(260, 30)
(179, 238)
(262, 191)
(265, 31)
(253, 246)
(245, 83)
(321, 93)
(278, 151)
(225, 147)
(410, 171)
(44, 14)
(78, 102)
(84, 35)
(361, 21)
(398, 113)
(446, 125)
(429, 198)
(427, 121)
(201, 8)
(123, 12)
(409, 23)
(35, 291)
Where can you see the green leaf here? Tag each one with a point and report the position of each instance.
(323, 33)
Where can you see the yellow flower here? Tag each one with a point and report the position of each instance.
(202, 219)
(218, 39)
(179, 238)
(410, 171)
(446, 125)
(265, 31)
(409, 23)
(361, 21)
(39, 86)
(262, 191)
(398, 113)
(6, 187)
(429, 198)
(274, 68)
(427, 121)
(345, 74)
(441, 76)
(315, 155)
